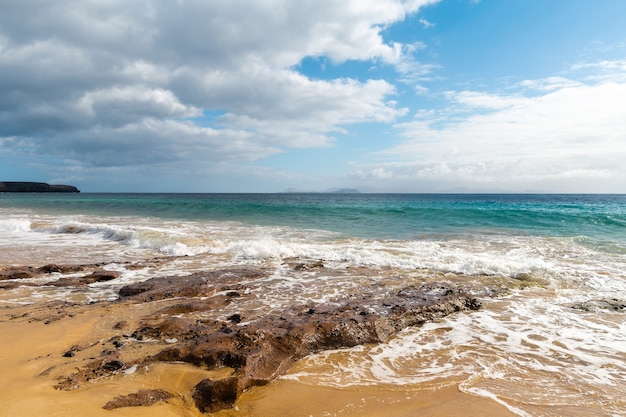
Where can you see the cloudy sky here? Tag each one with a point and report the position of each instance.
(265, 95)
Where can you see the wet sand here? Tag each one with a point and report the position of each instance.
(32, 359)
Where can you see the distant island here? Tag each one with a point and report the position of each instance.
(347, 191)
(340, 191)
(35, 187)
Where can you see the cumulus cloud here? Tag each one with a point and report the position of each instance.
(119, 106)
(576, 131)
(107, 82)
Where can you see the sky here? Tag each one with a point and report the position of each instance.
(314, 95)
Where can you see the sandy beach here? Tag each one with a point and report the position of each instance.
(34, 339)
(113, 315)
(286, 208)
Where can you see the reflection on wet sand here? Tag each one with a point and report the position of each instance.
(32, 356)
(45, 342)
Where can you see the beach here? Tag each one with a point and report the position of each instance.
(544, 337)
(30, 348)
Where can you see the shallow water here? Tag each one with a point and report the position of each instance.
(529, 352)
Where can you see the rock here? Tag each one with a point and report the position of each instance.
(25, 272)
(17, 273)
(306, 266)
(35, 187)
(266, 345)
(211, 396)
(62, 269)
(113, 365)
(235, 318)
(107, 365)
(97, 276)
(141, 398)
(602, 304)
(196, 285)
(121, 325)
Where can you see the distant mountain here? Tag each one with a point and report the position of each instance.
(332, 191)
(347, 191)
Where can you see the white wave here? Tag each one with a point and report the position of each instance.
(15, 225)
(562, 262)
(464, 257)
(163, 240)
(523, 352)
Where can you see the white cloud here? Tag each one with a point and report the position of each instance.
(264, 93)
(549, 84)
(569, 136)
(474, 99)
(619, 65)
(426, 23)
(122, 105)
(112, 77)
(154, 141)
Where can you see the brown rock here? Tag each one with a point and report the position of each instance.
(211, 396)
(141, 398)
(121, 325)
(196, 285)
(97, 276)
(17, 273)
(265, 346)
(108, 364)
(24, 272)
(304, 266)
(63, 269)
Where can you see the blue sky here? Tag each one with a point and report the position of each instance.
(261, 96)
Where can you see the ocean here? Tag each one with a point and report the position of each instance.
(553, 345)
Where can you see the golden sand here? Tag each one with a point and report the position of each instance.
(31, 353)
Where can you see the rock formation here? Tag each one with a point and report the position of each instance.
(141, 398)
(35, 187)
(256, 347)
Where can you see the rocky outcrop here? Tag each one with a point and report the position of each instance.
(142, 398)
(257, 347)
(25, 272)
(609, 304)
(96, 276)
(35, 187)
(211, 396)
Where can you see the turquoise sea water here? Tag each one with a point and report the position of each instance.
(388, 216)
(532, 350)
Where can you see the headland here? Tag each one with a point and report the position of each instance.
(35, 187)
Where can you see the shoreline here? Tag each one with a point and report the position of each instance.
(44, 343)
(32, 353)
(560, 292)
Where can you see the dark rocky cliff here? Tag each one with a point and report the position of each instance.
(35, 187)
